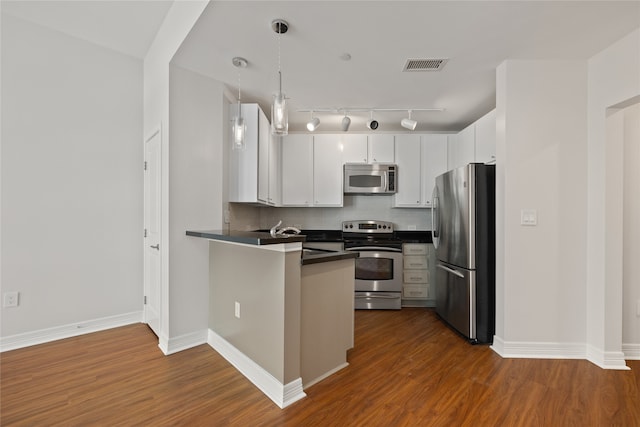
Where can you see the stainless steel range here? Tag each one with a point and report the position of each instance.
(379, 267)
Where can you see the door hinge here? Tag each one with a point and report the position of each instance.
(145, 232)
(145, 165)
(145, 300)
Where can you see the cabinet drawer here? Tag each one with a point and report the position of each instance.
(414, 249)
(416, 276)
(415, 291)
(415, 261)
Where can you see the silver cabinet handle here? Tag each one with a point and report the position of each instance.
(451, 270)
(156, 247)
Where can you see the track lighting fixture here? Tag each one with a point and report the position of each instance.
(346, 122)
(372, 124)
(313, 123)
(407, 123)
(279, 109)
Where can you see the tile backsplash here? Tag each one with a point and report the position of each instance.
(355, 207)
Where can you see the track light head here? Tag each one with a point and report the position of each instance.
(407, 123)
(346, 122)
(313, 124)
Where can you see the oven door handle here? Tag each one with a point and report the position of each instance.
(373, 249)
(376, 297)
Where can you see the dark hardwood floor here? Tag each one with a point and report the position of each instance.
(407, 369)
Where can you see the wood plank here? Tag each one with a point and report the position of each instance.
(406, 368)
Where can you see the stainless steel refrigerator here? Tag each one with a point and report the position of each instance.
(463, 215)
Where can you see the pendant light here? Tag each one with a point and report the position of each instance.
(407, 123)
(279, 110)
(239, 127)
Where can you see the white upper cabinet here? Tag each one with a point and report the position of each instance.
(354, 148)
(312, 170)
(486, 138)
(434, 163)
(253, 176)
(461, 147)
(420, 159)
(327, 170)
(367, 148)
(381, 148)
(475, 143)
(297, 170)
(407, 156)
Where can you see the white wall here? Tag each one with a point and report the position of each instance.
(541, 162)
(613, 79)
(71, 182)
(197, 115)
(177, 24)
(355, 207)
(631, 226)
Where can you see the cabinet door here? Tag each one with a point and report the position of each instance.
(354, 148)
(275, 144)
(297, 170)
(264, 142)
(407, 155)
(461, 149)
(486, 138)
(327, 170)
(434, 163)
(243, 164)
(381, 148)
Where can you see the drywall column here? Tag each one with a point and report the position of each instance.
(541, 166)
(177, 24)
(614, 80)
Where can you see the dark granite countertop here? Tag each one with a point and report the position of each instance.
(246, 237)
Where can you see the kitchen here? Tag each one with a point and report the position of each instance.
(178, 97)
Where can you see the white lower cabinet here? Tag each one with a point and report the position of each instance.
(415, 272)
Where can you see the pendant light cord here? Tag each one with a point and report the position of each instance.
(279, 54)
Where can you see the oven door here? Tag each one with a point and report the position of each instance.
(378, 269)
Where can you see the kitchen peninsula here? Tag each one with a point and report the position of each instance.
(281, 314)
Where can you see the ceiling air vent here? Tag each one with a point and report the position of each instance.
(430, 64)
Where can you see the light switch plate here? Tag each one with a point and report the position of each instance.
(528, 217)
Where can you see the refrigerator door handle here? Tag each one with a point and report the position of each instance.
(435, 232)
(451, 270)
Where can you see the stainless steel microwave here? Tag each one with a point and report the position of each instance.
(374, 178)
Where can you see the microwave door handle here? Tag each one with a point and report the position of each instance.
(384, 183)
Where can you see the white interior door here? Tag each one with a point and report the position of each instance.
(152, 225)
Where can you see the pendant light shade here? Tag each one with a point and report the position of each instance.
(238, 126)
(279, 110)
(239, 131)
(279, 115)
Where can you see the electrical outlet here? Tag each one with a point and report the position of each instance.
(237, 309)
(11, 299)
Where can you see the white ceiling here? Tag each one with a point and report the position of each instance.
(380, 36)
(476, 36)
(127, 26)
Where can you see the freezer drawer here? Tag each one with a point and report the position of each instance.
(455, 298)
